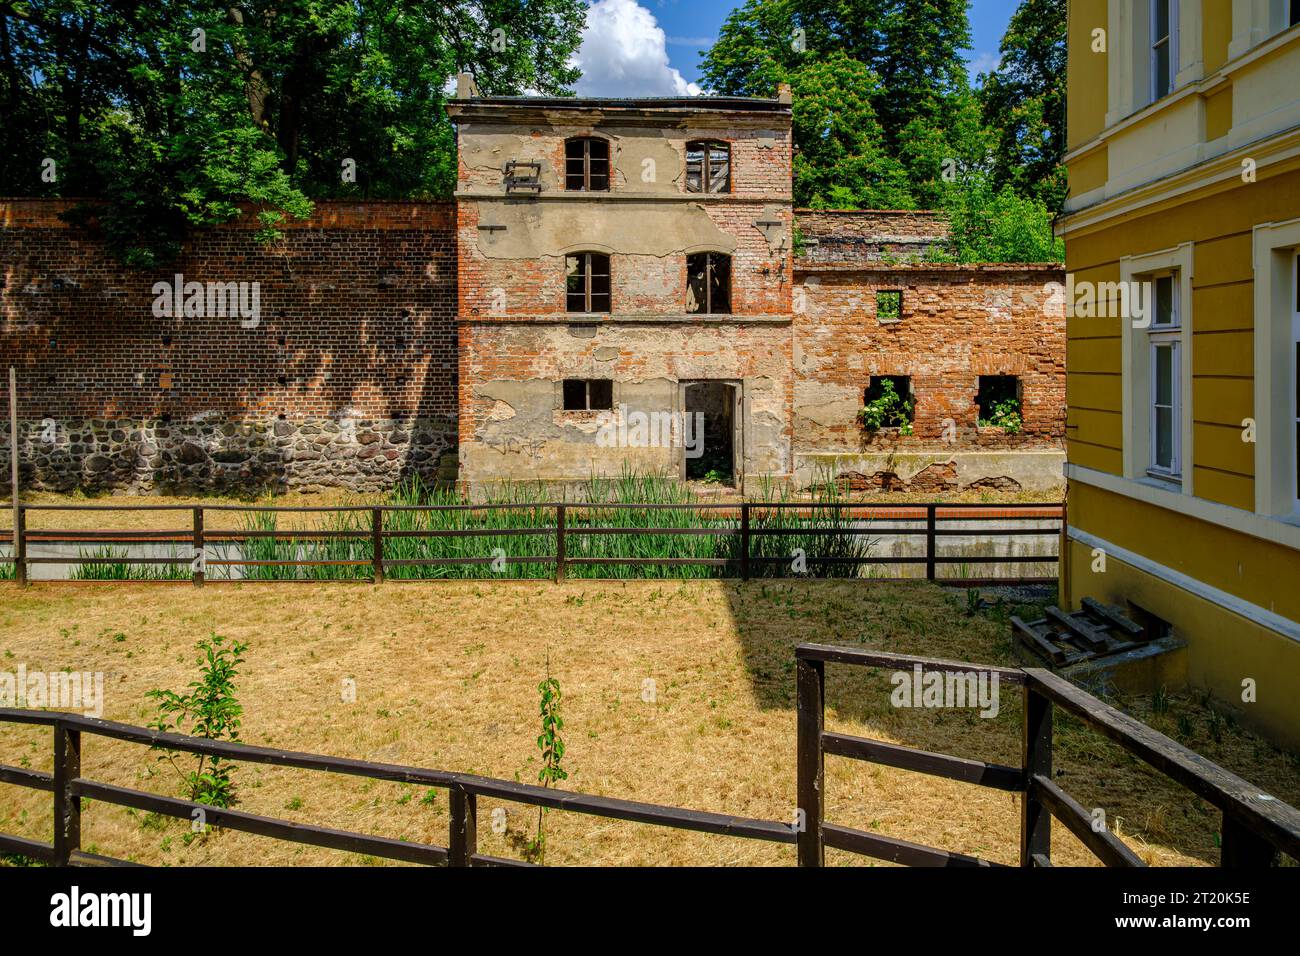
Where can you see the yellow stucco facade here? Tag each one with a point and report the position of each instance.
(1183, 497)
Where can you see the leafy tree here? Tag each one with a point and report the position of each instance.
(884, 114)
(842, 162)
(903, 56)
(1000, 225)
(178, 111)
(1024, 102)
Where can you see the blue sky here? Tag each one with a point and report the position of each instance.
(652, 47)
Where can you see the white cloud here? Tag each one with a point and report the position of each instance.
(624, 53)
(982, 63)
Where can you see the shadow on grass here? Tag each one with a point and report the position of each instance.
(773, 618)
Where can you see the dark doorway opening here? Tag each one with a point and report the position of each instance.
(711, 443)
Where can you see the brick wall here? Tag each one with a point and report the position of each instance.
(869, 235)
(958, 323)
(356, 325)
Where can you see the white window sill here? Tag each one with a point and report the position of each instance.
(1163, 480)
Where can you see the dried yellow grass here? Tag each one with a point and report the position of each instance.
(446, 677)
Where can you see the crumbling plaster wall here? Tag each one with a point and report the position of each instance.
(518, 342)
(513, 424)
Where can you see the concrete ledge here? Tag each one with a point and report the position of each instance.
(1029, 470)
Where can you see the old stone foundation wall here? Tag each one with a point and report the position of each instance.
(144, 456)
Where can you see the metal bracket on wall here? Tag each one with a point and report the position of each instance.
(519, 181)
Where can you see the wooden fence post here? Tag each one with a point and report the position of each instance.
(930, 525)
(20, 546)
(377, 545)
(1036, 758)
(811, 689)
(744, 541)
(199, 571)
(560, 545)
(67, 806)
(1242, 848)
(463, 843)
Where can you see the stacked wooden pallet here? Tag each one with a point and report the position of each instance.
(1095, 630)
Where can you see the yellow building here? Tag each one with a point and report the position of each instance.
(1182, 234)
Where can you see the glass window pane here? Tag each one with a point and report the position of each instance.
(1164, 290)
(1162, 70)
(1161, 19)
(1164, 439)
(1164, 375)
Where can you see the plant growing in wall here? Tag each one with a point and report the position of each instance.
(889, 409)
(210, 709)
(1004, 414)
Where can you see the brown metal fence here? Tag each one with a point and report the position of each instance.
(569, 518)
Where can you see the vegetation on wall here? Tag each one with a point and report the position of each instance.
(888, 409)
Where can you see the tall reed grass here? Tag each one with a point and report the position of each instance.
(117, 568)
(514, 523)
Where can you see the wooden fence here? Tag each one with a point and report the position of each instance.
(1255, 825)
(735, 521)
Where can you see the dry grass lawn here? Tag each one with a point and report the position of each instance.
(447, 676)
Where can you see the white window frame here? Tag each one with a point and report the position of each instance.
(1138, 362)
(1294, 390)
(1277, 329)
(1166, 336)
(1171, 8)
(1254, 21)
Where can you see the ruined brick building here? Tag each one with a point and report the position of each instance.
(618, 283)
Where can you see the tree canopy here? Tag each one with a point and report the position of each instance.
(176, 111)
(885, 115)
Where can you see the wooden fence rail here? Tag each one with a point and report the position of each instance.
(68, 787)
(1256, 826)
(569, 519)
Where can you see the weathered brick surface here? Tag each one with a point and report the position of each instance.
(392, 337)
(356, 323)
(870, 235)
(958, 323)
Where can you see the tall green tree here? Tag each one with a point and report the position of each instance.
(177, 111)
(1023, 100)
(884, 114)
(903, 55)
(842, 162)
